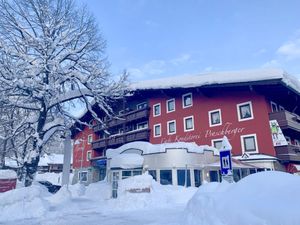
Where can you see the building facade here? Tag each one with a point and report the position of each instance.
(202, 109)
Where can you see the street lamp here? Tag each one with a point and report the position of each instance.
(77, 142)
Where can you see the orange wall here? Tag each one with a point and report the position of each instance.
(203, 134)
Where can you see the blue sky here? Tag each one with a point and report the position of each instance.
(161, 38)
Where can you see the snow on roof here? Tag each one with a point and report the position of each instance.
(8, 174)
(212, 78)
(46, 159)
(148, 148)
(10, 162)
(127, 161)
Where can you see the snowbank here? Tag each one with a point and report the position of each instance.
(8, 174)
(266, 198)
(135, 182)
(127, 161)
(23, 203)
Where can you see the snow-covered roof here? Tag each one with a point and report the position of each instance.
(8, 174)
(46, 159)
(148, 148)
(215, 78)
(127, 161)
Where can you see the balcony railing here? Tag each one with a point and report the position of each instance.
(288, 153)
(137, 135)
(286, 120)
(125, 118)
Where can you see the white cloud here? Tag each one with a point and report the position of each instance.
(156, 68)
(272, 64)
(290, 49)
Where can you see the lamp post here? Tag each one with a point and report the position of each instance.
(77, 142)
(67, 159)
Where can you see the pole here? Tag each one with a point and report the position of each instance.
(81, 162)
(67, 159)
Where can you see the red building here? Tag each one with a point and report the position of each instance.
(203, 109)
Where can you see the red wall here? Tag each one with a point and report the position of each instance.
(203, 134)
(81, 143)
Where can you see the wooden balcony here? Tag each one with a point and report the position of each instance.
(288, 153)
(137, 135)
(124, 118)
(286, 120)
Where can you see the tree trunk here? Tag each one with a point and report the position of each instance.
(2, 154)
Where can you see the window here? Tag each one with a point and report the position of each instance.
(130, 173)
(245, 111)
(274, 107)
(181, 175)
(215, 118)
(166, 177)
(236, 175)
(88, 155)
(157, 130)
(217, 143)
(197, 177)
(188, 123)
(297, 142)
(142, 105)
(171, 105)
(214, 176)
(187, 100)
(156, 110)
(153, 174)
(90, 139)
(249, 143)
(172, 127)
(83, 176)
(142, 125)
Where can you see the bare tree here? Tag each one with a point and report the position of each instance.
(51, 53)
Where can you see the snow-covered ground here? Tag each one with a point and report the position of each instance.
(268, 198)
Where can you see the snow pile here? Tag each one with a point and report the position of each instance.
(148, 148)
(136, 182)
(23, 203)
(127, 161)
(8, 174)
(266, 198)
(160, 196)
(53, 178)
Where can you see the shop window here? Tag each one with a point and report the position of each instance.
(217, 143)
(181, 178)
(214, 176)
(188, 123)
(249, 143)
(197, 177)
(83, 176)
(172, 127)
(236, 175)
(153, 174)
(252, 171)
(157, 130)
(274, 107)
(215, 118)
(142, 105)
(90, 139)
(88, 155)
(126, 174)
(156, 110)
(245, 111)
(166, 177)
(297, 142)
(136, 172)
(187, 100)
(171, 105)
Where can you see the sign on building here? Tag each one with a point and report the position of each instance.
(277, 135)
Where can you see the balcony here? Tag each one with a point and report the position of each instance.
(136, 135)
(288, 153)
(286, 120)
(125, 118)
